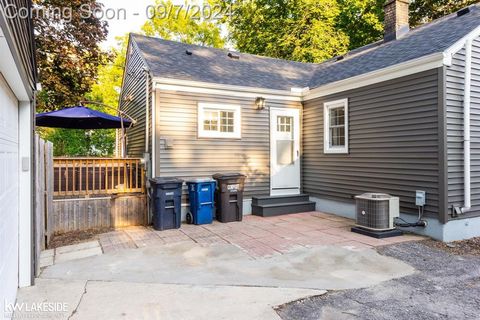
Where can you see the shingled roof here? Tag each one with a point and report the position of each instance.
(169, 59)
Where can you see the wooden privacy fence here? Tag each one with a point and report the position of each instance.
(97, 176)
(44, 217)
(100, 212)
(93, 193)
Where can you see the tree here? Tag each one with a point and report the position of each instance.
(81, 143)
(67, 35)
(180, 23)
(301, 30)
(361, 21)
(106, 90)
(422, 11)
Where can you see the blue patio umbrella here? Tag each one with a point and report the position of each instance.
(80, 117)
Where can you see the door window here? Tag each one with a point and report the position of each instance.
(285, 141)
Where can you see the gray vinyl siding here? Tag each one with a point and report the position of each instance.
(393, 143)
(190, 157)
(133, 101)
(454, 102)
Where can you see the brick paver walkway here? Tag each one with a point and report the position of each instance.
(257, 236)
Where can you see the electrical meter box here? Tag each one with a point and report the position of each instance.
(420, 198)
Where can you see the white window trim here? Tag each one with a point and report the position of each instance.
(237, 122)
(326, 125)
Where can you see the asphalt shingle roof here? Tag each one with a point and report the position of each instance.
(168, 59)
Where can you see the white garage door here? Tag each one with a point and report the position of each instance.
(9, 176)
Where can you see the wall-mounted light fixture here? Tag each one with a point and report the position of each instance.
(260, 103)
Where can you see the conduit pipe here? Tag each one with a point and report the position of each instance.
(466, 127)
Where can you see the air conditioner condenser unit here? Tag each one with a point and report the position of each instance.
(377, 211)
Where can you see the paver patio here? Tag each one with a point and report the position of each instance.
(238, 270)
(257, 236)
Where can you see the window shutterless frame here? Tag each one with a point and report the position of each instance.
(328, 148)
(214, 121)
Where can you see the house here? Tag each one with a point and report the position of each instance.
(395, 116)
(17, 88)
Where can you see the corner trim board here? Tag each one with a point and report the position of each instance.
(443, 150)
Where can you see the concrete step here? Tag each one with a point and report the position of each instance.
(276, 209)
(266, 200)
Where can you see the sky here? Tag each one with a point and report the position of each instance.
(123, 16)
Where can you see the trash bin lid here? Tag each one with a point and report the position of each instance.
(165, 180)
(228, 175)
(200, 180)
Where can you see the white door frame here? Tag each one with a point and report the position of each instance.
(294, 188)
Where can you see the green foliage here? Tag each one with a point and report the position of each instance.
(312, 31)
(94, 143)
(301, 30)
(361, 21)
(73, 142)
(68, 53)
(179, 24)
(109, 81)
(422, 11)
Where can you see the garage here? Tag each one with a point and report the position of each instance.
(9, 188)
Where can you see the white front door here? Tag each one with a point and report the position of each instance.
(285, 151)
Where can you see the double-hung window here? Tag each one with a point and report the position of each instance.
(335, 115)
(219, 121)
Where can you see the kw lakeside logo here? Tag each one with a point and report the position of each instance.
(19, 310)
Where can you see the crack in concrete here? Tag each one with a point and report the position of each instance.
(79, 300)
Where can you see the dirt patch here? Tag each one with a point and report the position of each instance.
(465, 247)
(74, 237)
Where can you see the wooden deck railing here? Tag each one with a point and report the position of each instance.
(97, 176)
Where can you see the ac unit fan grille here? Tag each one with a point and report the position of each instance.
(373, 214)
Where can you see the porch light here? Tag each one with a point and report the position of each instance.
(260, 103)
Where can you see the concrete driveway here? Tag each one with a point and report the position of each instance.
(222, 271)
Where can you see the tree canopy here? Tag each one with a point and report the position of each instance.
(177, 23)
(361, 21)
(302, 30)
(422, 11)
(315, 30)
(106, 90)
(68, 52)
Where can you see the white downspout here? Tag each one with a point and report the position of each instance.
(466, 127)
(154, 129)
(147, 111)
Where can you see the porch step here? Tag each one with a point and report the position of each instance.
(260, 201)
(280, 205)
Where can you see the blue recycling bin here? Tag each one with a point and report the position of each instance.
(166, 200)
(202, 201)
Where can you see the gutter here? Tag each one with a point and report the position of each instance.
(466, 128)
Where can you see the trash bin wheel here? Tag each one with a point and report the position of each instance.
(189, 218)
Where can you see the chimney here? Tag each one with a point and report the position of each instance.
(396, 19)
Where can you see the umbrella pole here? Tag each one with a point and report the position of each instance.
(122, 114)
